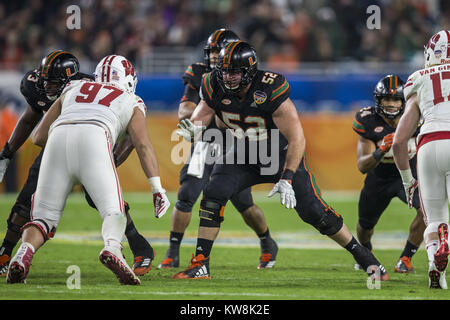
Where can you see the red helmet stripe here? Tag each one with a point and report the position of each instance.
(109, 69)
(448, 42)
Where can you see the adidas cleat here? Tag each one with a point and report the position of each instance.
(20, 265)
(436, 280)
(357, 266)
(267, 259)
(199, 269)
(441, 255)
(113, 259)
(169, 263)
(378, 273)
(404, 265)
(4, 264)
(143, 264)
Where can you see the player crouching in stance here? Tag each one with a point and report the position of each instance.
(426, 93)
(375, 127)
(258, 104)
(81, 127)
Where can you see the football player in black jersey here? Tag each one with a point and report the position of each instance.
(375, 127)
(41, 87)
(255, 106)
(191, 186)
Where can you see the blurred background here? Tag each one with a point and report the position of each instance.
(324, 47)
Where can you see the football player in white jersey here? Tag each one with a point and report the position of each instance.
(78, 132)
(427, 94)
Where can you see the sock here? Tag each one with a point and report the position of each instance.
(266, 240)
(113, 229)
(138, 244)
(174, 243)
(432, 247)
(7, 247)
(368, 245)
(409, 250)
(204, 247)
(362, 255)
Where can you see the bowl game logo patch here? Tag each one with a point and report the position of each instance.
(378, 129)
(259, 96)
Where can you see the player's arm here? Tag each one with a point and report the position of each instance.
(405, 129)
(123, 150)
(24, 127)
(137, 129)
(407, 125)
(200, 119)
(365, 153)
(41, 134)
(287, 121)
(189, 101)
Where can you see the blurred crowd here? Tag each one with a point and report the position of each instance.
(292, 31)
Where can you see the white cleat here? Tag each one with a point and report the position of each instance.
(436, 280)
(357, 266)
(113, 259)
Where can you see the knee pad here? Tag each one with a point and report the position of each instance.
(432, 227)
(330, 223)
(211, 214)
(15, 224)
(187, 196)
(46, 227)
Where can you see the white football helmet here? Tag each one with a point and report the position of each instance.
(437, 50)
(117, 69)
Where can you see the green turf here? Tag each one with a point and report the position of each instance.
(299, 273)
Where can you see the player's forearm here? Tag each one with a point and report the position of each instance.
(370, 161)
(22, 132)
(147, 157)
(401, 157)
(294, 154)
(185, 110)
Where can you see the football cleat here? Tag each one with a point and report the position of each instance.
(199, 269)
(436, 280)
(143, 264)
(441, 255)
(404, 265)
(4, 264)
(169, 263)
(357, 266)
(20, 265)
(113, 259)
(267, 259)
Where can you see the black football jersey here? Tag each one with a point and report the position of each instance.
(370, 125)
(193, 77)
(251, 116)
(37, 100)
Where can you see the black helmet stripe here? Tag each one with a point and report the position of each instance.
(228, 52)
(49, 60)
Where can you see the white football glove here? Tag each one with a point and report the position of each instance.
(188, 130)
(410, 184)
(410, 187)
(160, 200)
(3, 166)
(287, 194)
(161, 203)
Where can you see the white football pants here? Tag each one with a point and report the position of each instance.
(433, 170)
(80, 153)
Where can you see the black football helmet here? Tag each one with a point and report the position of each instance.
(237, 56)
(216, 41)
(56, 69)
(389, 86)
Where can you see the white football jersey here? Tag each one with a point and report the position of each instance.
(103, 103)
(432, 86)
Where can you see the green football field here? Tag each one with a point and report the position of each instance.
(309, 265)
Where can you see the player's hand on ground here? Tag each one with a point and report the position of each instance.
(161, 203)
(386, 144)
(410, 187)
(287, 194)
(188, 130)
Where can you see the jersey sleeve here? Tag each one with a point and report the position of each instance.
(29, 91)
(411, 85)
(206, 89)
(190, 94)
(140, 105)
(280, 92)
(359, 125)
